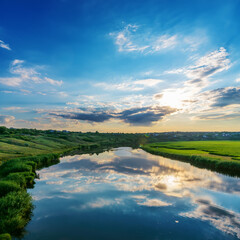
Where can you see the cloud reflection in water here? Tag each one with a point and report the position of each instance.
(124, 176)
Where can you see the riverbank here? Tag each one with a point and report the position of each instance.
(220, 156)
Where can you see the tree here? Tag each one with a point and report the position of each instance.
(3, 130)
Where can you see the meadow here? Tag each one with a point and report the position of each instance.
(221, 156)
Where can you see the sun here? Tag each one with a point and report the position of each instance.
(172, 98)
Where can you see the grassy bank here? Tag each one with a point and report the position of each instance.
(15, 203)
(220, 156)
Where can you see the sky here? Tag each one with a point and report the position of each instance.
(120, 66)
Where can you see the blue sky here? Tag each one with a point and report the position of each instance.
(120, 66)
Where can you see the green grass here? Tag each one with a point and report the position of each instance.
(221, 156)
(15, 203)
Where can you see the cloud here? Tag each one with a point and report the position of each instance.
(221, 97)
(154, 203)
(123, 39)
(4, 119)
(212, 63)
(17, 61)
(143, 116)
(130, 40)
(53, 82)
(215, 62)
(198, 76)
(215, 100)
(4, 45)
(223, 219)
(91, 117)
(12, 81)
(150, 82)
(237, 80)
(22, 74)
(164, 42)
(218, 116)
(226, 96)
(134, 38)
(12, 108)
(137, 85)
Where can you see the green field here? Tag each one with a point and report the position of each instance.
(221, 156)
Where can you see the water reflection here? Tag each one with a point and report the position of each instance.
(132, 194)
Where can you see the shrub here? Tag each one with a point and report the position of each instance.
(5, 236)
(15, 211)
(8, 186)
(18, 178)
(14, 166)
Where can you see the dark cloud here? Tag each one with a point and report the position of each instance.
(92, 117)
(195, 81)
(158, 96)
(210, 71)
(222, 218)
(215, 213)
(226, 96)
(143, 116)
(131, 166)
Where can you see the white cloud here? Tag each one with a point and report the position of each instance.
(206, 66)
(5, 119)
(8, 92)
(237, 80)
(137, 85)
(187, 96)
(17, 61)
(4, 45)
(12, 81)
(164, 42)
(133, 38)
(24, 74)
(63, 94)
(25, 92)
(223, 219)
(123, 39)
(153, 203)
(130, 40)
(12, 108)
(73, 103)
(15, 109)
(148, 82)
(53, 82)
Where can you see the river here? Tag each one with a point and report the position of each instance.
(127, 193)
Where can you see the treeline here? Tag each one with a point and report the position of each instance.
(192, 136)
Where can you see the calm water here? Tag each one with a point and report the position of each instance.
(131, 194)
